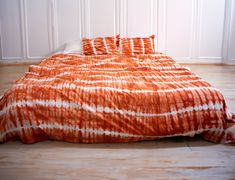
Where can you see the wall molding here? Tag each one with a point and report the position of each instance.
(19, 61)
(25, 32)
(158, 14)
(229, 8)
(197, 61)
(117, 17)
(80, 20)
(194, 30)
(227, 28)
(86, 20)
(22, 29)
(1, 55)
(162, 25)
(123, 18)
(124, 4)
(22, 46)
(50, 24)
(154, 28)
(152, 8)
(50, 31)
(54, 24)
(199, 26)
(25, 29)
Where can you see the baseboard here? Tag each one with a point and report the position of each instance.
(198, 61)
(218, 61)
(19, 62)
(181, 61)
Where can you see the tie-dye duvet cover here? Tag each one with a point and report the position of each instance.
(112, 98)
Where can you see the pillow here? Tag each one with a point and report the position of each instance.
(73, 47)
(100, 45)
(138, 45)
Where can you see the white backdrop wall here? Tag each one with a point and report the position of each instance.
(200, 31)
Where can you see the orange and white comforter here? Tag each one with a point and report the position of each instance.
(112, 98)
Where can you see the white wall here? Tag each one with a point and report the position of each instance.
(200, 31)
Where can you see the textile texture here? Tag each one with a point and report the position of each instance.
(100, 45)
(138, 45)
(112, 98)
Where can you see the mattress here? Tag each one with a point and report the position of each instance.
(112, 98)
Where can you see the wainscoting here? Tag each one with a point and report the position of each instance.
(192, 31)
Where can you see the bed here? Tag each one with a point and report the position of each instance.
(112, 98)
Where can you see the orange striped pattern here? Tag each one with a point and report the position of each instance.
(112, 98)
(132, 46)
(100, 45)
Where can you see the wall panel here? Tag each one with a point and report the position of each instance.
(102, 18)
(37, 28)
(68, 21)
(139, 18)
(179, 17)
(231, 46)
(198, 31)
(11, 37)
(211, 29)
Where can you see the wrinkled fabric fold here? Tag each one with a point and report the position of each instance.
(113, 98)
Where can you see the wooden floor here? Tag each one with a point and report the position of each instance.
(171, 158)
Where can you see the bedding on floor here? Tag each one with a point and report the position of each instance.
(112, 98)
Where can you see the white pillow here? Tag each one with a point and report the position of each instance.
(73, 47)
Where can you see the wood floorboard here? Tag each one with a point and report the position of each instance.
(170, 158)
